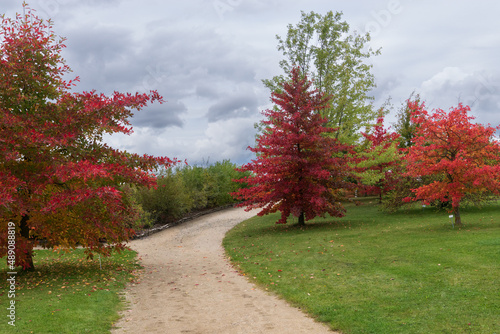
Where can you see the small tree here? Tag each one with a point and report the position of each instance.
(58, 180)
(404, 125)
(463, 156)
(297, 170)
(402, 185)
(379, 158)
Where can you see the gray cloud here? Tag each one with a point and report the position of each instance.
(226, 138)
(478, 89)
(208, 63)
(236, 106)
(206, 90)
(101, 57)
(68, 10)
(11, 8)
(205, 67)
(160, 116)
(385, 86)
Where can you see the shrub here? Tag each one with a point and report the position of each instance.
(219, 177)
(193, 178)
(142, 218)
(185, 189)
(168, 201)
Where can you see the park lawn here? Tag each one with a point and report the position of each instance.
(68, 293)
(375, 272)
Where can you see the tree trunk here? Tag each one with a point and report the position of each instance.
(25, 233)
(301, 217)
(458, 219)
(380, 185)
(302, 221)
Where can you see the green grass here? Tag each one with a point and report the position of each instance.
(68, 293)
(373, 272)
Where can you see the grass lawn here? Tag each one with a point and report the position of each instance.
(374, 272)
(67, 293)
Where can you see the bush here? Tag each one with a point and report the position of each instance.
(220, 183)
(211, 186)
(168, 201)
(193, 178)
(186, 189)
(142, 218)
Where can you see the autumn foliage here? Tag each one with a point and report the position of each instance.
(379, 159)
(298, 169)
(58, 181)
(463, 157)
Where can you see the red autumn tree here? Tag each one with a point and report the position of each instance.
(463, 156)
(298, 169)
(379, 159)
(58, 181)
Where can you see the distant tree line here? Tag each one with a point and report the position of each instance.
(183, 190)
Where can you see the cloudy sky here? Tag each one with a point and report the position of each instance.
(207, 59)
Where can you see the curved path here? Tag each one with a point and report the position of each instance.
(188, 286)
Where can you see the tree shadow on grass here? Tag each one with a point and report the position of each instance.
(309, 227)
(412, 220)
(52, 266)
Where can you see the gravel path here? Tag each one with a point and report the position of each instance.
(188, 286)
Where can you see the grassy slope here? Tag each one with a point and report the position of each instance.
(67, 293)
(372, 272)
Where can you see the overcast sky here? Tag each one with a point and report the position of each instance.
(207, 59)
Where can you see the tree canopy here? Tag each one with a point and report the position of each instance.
(462, 156)
(298, 169)
(59, 182)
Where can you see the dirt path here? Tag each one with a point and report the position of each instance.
(188, 286)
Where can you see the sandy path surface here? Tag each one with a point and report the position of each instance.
(188, 286)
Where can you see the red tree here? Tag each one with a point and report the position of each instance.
(463, 156)
(58, 180)
(298, 169)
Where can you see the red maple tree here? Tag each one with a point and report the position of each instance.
(463, 156)
(298, 169)
(58, 181)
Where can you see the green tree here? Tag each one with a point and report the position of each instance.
(404, 126)
(335, 60)
(378, 158)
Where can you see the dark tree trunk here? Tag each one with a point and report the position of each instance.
(380, 186)
(25, 233)
(301, 217)
(458, 219)
(302, 221)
